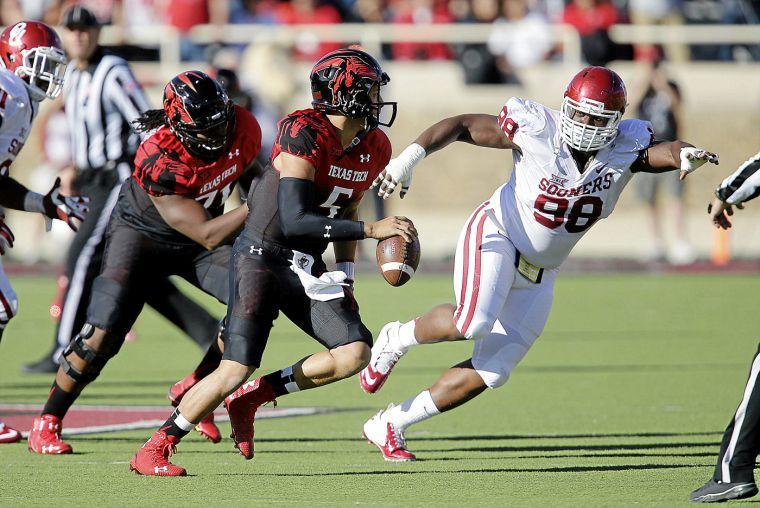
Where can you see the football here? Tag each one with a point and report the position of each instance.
(397, 259)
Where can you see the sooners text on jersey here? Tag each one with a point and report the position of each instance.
(17, 111)
(548, 203)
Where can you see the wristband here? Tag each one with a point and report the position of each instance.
(412, 154)
(346, 267)
(34, 202)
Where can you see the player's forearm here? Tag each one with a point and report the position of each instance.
(295, 199)
(666, 156)
(479, 130)
(219, 230)
(16, 196)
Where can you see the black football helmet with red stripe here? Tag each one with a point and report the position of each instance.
(342, 82)
(199, 113)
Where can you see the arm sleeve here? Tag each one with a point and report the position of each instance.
(126, 93)
(295, 199)
(743, 185)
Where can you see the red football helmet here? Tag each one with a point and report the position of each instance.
(342, 82)
(32, 51)
(597, 92)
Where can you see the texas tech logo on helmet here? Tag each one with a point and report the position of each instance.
(343, 82)
(199, 113)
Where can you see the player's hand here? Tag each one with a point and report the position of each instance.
(720, 211)
(692, 158)
(66, 208)
(6, 236)
(399, 172)
(391, 226)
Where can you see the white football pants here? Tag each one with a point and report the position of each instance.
(496, 305)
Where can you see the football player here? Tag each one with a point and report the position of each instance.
(32, 65)
(570, 168)
(323, 161)
(169, 220)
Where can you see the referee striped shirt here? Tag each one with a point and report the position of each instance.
(100, 102)
(743, 185)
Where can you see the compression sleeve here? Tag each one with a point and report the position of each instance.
(295, 199)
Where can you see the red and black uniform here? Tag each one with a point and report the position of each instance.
(142, 246)
(263, 281)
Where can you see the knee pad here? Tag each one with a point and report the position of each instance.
(8, 307)
(95, 360)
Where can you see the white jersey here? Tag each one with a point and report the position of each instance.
(17, 111)
(548, 204)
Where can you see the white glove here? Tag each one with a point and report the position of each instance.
(399, 171)
(692, 158)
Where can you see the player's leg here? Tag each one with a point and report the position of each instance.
(253, 292)
(83, 261)
(520, 322)
(183, 312)
(336, 324)
(483, 274)
(734, 476)
(116, 301)
(8, 309)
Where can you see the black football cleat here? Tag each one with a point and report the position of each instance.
(45, 366)
(717, 491)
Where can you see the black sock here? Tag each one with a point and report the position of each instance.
(177, 429)
(59, 401)
(282, 381)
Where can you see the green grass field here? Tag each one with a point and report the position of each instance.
(622, 401)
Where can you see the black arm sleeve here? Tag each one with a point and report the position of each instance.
(12, 193)
(295, 199)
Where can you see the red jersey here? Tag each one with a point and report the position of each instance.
(341, 178)
(163, 166)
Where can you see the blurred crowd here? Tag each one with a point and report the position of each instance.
(520, 36)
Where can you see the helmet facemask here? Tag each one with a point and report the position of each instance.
(210, 131)
(588, 137)
(43, 69)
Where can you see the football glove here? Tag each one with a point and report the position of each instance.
(692, 158)
(6, 236)
(65, 208)
(399, 171)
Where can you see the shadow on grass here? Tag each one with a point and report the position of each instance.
(560, 448)
(569, 469)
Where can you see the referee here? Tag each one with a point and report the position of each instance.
(101, 99)
(734, 475)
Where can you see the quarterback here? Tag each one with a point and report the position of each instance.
(570, 167)
(32, 65)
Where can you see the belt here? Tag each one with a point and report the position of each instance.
(262, 248)
(527, 269)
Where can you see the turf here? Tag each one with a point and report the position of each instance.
(622, 401)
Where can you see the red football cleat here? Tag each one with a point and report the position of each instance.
(242, 406)
(180, 388)
(45, 436)
(384, 358)
(390, 440)
(9, 435)
(153, 458)
(208, 429)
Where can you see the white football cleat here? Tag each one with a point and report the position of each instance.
(390, 440)
(8, 435)
(383, 359)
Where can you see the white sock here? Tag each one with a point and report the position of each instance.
(182, 422)
(406, 337)
(413, 410)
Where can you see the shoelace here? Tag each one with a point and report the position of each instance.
(394, 357)
(398, 441)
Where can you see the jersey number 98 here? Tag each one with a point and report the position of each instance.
(551, 211)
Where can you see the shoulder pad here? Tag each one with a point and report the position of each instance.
(529, 115)
(634, 135)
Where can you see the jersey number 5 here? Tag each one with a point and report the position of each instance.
(333, 198)
(551, 212)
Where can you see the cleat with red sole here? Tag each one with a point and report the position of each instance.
(153, 458)
(242, 406)
(9, 435)
(388, 439)
(208, 429)
(384, 358)
(45, 436)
